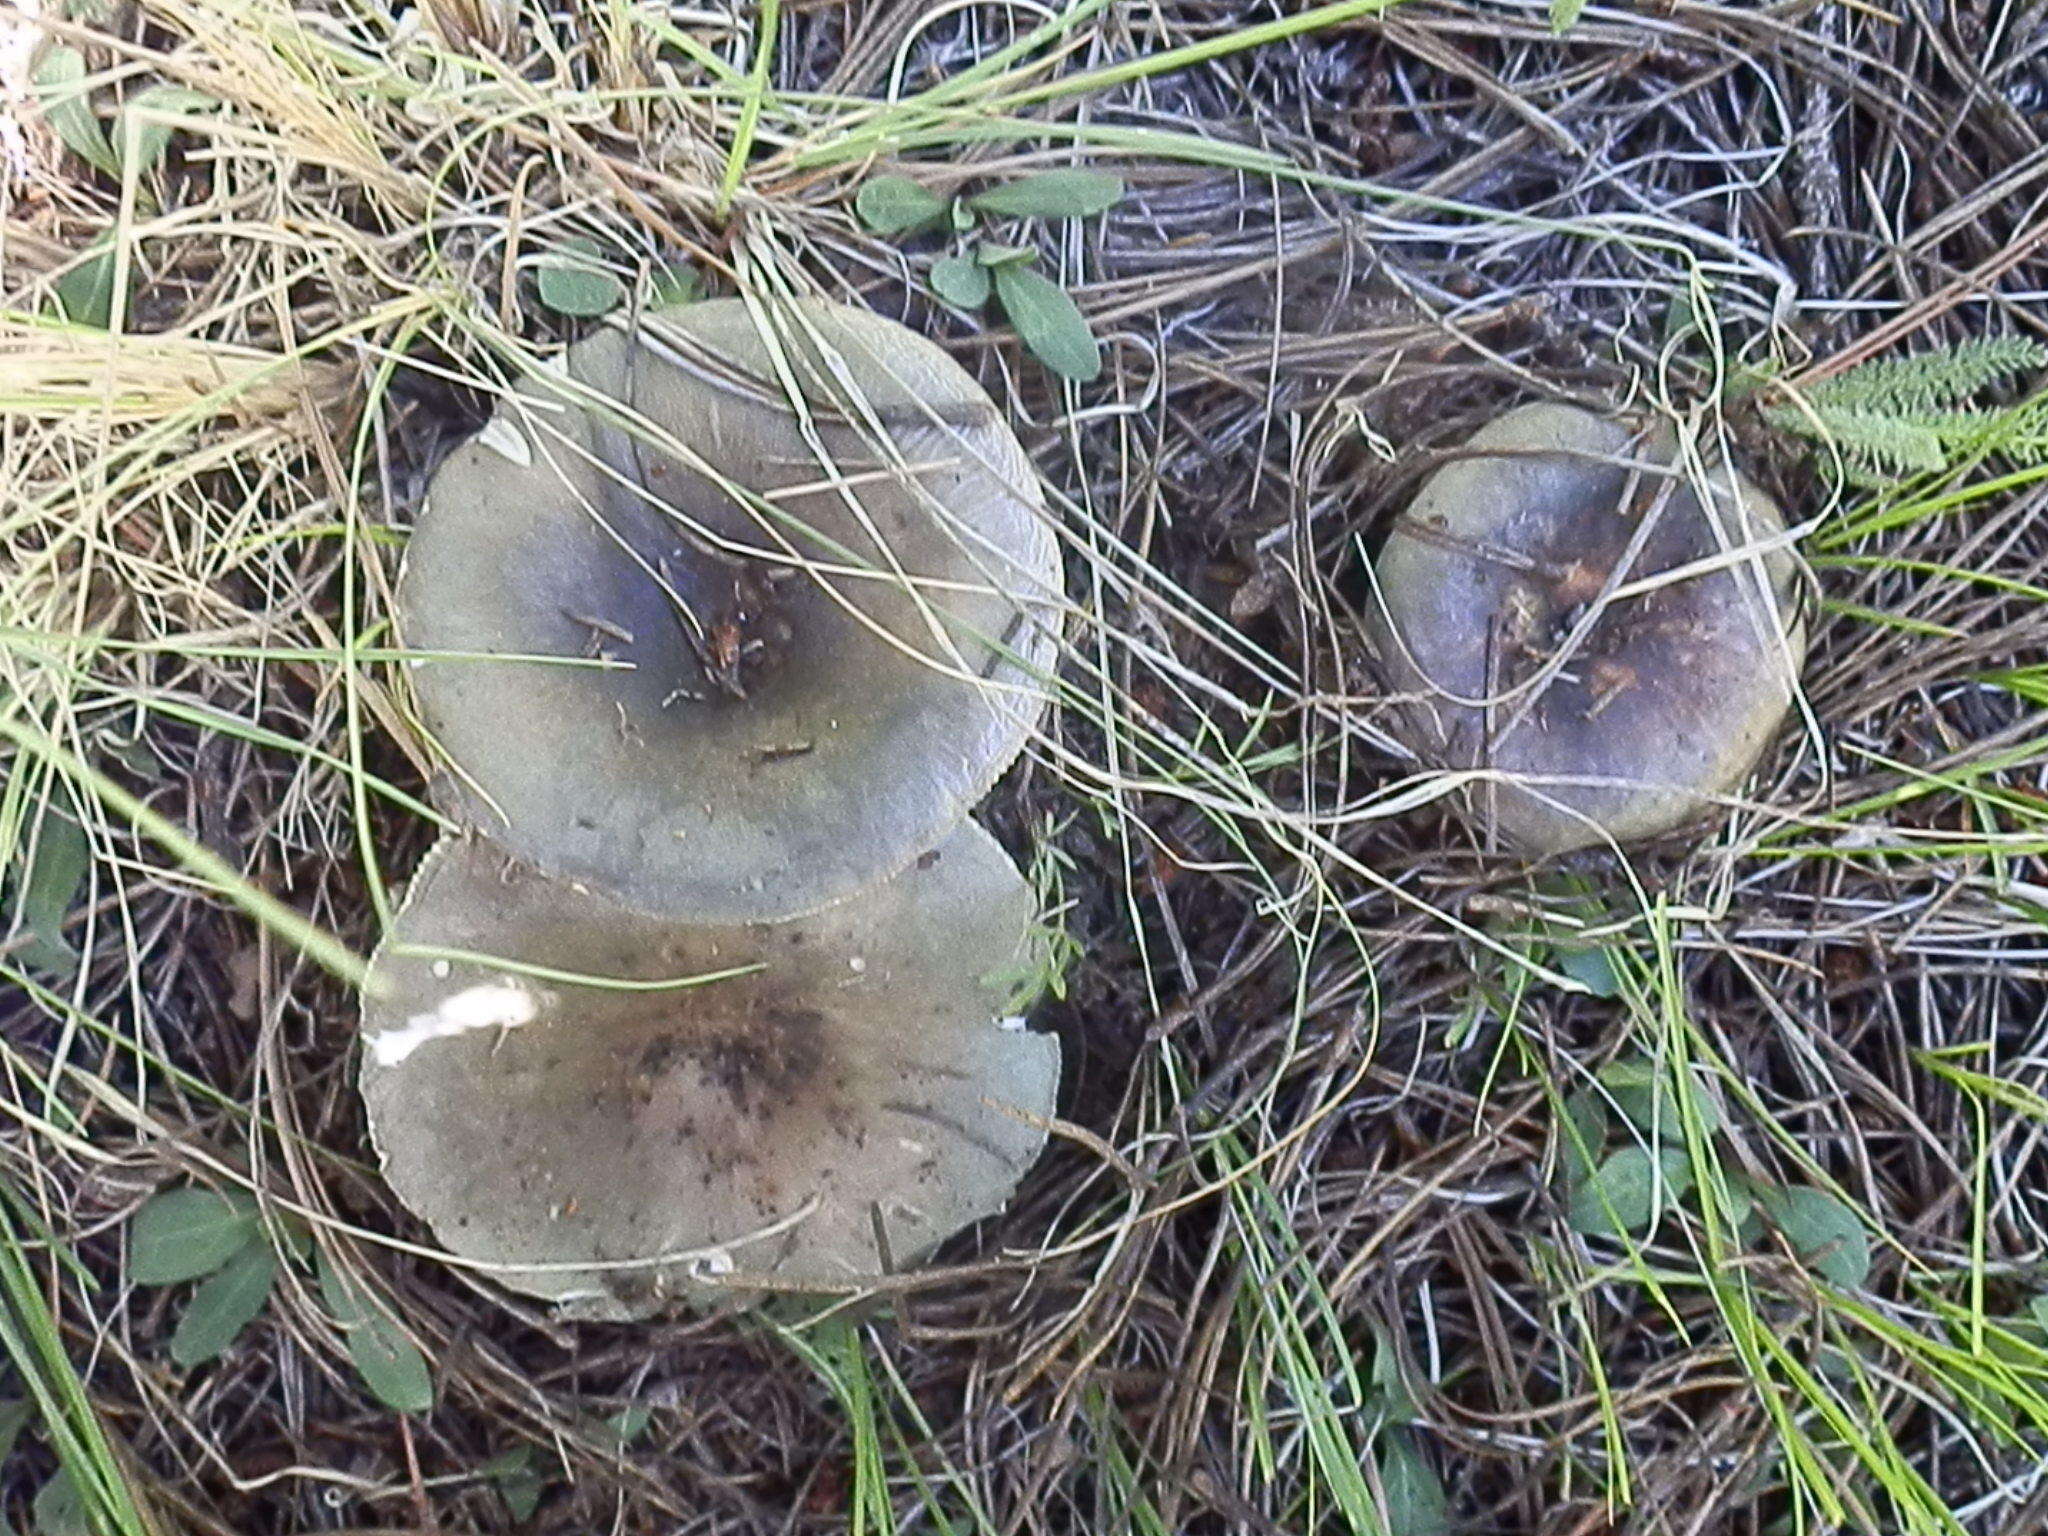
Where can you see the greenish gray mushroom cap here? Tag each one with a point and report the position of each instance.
(821, 1121)
(1622, 721)
(837, 620)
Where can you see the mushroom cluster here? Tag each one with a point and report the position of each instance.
(724, 625)
(1604, 642)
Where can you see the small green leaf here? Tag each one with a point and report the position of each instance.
(960, 282)
(1631, 1082)
(1591, 966)
(964, 218)
(1415, 1497)
(182, 1234)
(1823, 1231)
(894, 205)
(993, 253)
(1052, 195)
(1050, 324)
(390, 1364)
(144, 134)
(50, 884)
(1581, 1136)
(1739, 1209)
(132, 753)
(1629, 1191)
(1564, 14)
(59, 1509)
(1986, 1402)
(1682, 318)
(2038, 1310)
(1388, 1384)
(506, 1461)
(225, 1303)
(518, 1481)
(296, 1236)
(85, 293)
(628, 1425)
(674, 286)
(1643, 1094)
(1840, 1363)
(572, 281)
(67, 106)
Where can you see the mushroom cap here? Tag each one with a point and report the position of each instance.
(838, 624)
(820, 1122)
(1665, 703)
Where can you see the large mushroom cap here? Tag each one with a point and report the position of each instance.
(822, 1121)
(1625, 721)
(838, 620)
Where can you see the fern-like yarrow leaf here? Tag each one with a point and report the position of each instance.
(1932, 381)
(1903, 416)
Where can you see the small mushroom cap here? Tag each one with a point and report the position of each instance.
(824, 680)
(1663, 705)
(822, 1121)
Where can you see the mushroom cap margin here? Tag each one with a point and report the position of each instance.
(1673, 695)
(858, 749)
(833, 1116)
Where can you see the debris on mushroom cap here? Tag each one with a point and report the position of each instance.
(836, 624)
(822, 1120)
(1624, 720)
